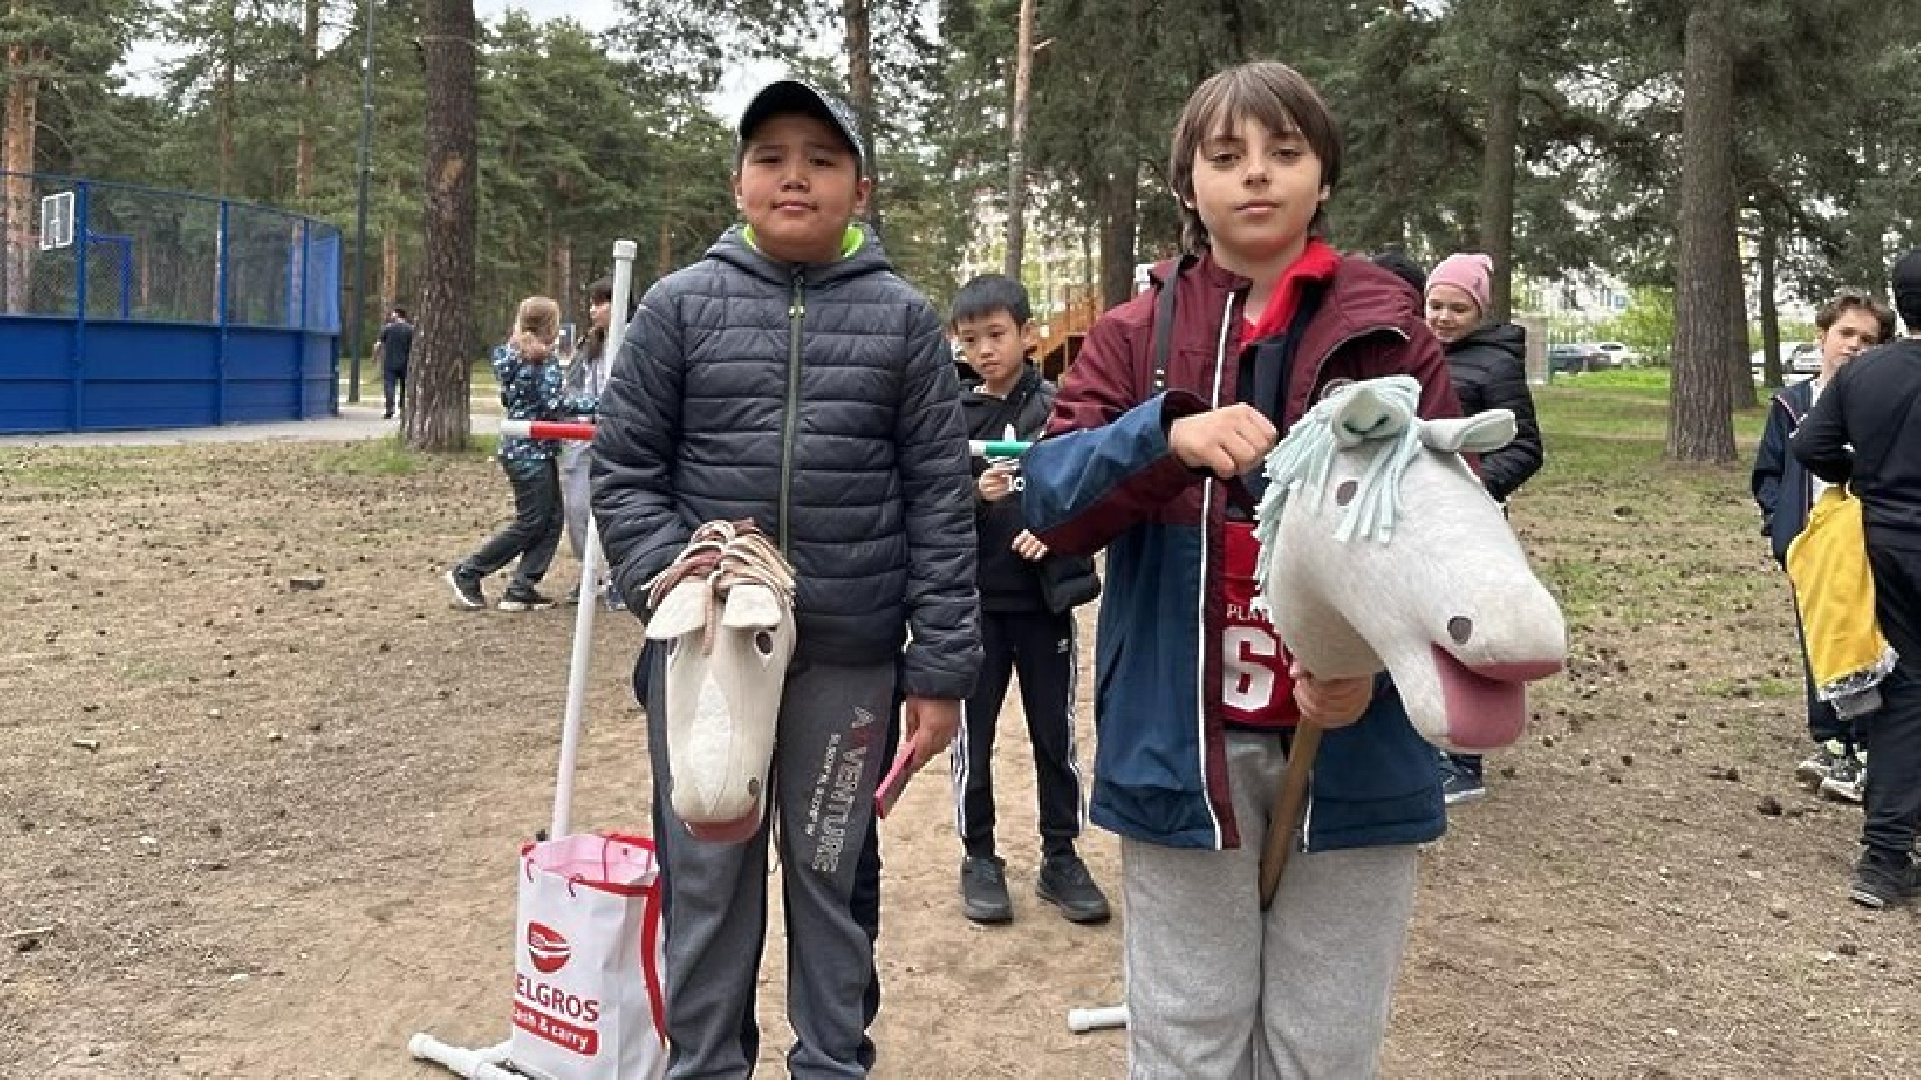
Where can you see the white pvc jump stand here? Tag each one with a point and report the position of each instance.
(472, 1064)
(1081, 1021)
(490, 1063)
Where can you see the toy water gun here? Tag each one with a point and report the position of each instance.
(998, 448)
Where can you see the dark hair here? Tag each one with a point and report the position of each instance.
(1273, 94)
(1397, 262)
(988, 294)
(596, 340)
(1854, 300)
(400, 311)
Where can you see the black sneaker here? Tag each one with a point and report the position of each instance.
(1460, 784)
(1065, 883)
(467, 592)
(983, 888)
(524, 598)
(1880, 883)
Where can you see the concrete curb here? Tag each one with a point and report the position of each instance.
(355, 423)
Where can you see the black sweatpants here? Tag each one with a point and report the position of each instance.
(1824, 724)
(533, 534)
(1892, 734)
(1040, 647)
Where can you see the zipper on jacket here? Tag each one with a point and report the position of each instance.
(796, 312)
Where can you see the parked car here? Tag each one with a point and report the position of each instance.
(1573, 358)
(1801, 360)
(1618, 354)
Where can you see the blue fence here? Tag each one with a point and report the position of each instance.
(122, 307)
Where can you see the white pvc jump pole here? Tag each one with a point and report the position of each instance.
(624, 253)
(485, 1064)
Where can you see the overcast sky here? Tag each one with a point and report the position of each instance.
(145, 60)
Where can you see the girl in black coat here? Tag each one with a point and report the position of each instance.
(1487, 361)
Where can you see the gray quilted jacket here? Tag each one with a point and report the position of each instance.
(821, 402)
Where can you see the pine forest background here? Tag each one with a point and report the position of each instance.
(1706, 153)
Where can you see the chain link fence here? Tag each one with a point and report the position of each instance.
(82, 249)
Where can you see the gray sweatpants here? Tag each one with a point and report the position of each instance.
(1217, 990)
(828, 757)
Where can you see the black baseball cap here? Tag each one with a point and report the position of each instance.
(1906, 277)
(1906, 283)
(793, 96)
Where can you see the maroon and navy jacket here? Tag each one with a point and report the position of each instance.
(1105, 478)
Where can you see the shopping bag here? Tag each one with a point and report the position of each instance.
(588, 955)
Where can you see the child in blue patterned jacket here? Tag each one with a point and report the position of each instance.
(530, 389)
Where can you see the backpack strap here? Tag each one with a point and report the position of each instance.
(1237, 490)
(1164, 322)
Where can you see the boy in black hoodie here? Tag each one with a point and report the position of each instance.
(1027, 621)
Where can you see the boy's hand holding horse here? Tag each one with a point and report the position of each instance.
(1330, 703)
(1227, 441)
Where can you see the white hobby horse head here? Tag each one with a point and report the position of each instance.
(1380, 549)
(725, 609)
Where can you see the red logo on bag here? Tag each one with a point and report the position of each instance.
(547, 949)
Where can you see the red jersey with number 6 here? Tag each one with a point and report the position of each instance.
(1256, 690)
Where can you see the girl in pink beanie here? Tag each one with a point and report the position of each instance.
(1457, 294)
(1486, 362)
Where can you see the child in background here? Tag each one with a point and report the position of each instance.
(1487, 361)
(1195, 700)
(1849, 324)
(530, 389)
(586, 378)
(1027, 622)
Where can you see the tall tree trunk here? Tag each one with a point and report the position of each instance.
(860, 80)
(1118, 225)
(1497, 172)
(1017, 144)
(23, 94)
(389, 268)
(1769, 252)
(309, 66)
(664, 263)
(1700, 417)
(437, 418)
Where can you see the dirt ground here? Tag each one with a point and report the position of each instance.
(257, 831)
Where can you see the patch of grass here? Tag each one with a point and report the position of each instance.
(1628, 410)
(389, 457)
(78, 468)
(1654, 379)
(375, 457)
(150, 670)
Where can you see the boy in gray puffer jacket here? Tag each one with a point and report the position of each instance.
(792, 378)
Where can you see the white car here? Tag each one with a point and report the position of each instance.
(1618, 355)
(1801, 360)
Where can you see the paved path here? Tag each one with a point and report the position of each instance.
(354, 422)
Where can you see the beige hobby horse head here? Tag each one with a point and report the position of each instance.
(1380, 549)
(725, 610)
